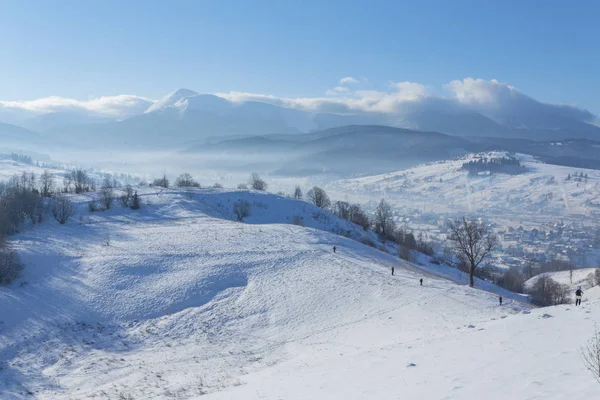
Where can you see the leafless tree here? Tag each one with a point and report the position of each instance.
(217, 185)
(298, 193)
(472, 243)
(106, 198)
(185, 180)
(80, 180)
(242, 186)
(10, 265)
(359, 217)
(342, 209)
(46, 184)
(384, 219)
(135, 201)
(257, 183)
(318, 197)
(127, 196)
(590, 354)
(241, 209)
(547, 292)
(162, 182)
(62, 209)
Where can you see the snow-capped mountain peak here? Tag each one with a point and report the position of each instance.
(177, 100)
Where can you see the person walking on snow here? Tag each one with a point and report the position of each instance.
(421, 281)
(393, 271)
(578, 295)
(500, 299)
(334, 249)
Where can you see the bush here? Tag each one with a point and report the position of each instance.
(512, 280)
(257, 183)
(547, 292)
(135, 201)
(298, 220)
(241, 209)
(368, 242)
(106, 198)
(62, 209)
(161, 182)
(242, 186)
(92, 206)
(10, 265)
(405, 253)
(126, 197)
(186, 180)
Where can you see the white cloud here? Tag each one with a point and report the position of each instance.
(117, 106)
(337, 91)
(343, 100)
(480, 91)
(348, 80)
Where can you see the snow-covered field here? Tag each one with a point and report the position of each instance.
(178, 300)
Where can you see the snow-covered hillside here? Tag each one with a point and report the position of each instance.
(179, 300)
(444, 187)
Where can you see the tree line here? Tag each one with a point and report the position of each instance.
(505, 165)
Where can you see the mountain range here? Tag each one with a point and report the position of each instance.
(185, 117)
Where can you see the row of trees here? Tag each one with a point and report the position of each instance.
(505, 165)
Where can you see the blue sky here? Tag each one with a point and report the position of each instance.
(81, 49)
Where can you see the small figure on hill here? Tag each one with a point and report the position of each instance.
(421, 281)
(500, 299)
(334, 248)
(393, 269)
(578, 295)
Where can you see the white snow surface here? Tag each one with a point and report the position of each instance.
(443, 187)
(186, 303)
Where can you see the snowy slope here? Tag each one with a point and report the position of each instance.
(184, 302)
(9, 168)
(444, 187)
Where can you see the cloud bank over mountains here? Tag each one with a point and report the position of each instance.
(498, 101)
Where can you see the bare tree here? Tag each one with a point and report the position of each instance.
(359, 217)
(241, 209)
(472, 243)
(547, 292)
(257, 183)
(162, 182)
(217, 185)
(10, 265)
(384, 219)
(80, 180)
(242, 186)
(186, 180)
(318, 197)
(298, 193)
(62, 209)
(127, 196)
(135, 201)
(106, 198)
(590, 354)
(46, 184)
(342, 209)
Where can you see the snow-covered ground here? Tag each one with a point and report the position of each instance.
(443, 187)
(178, 300)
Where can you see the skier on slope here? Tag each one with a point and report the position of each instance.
(500, 299)
(334, 248)
(393, 269)
(421, 281)
(578, 295)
